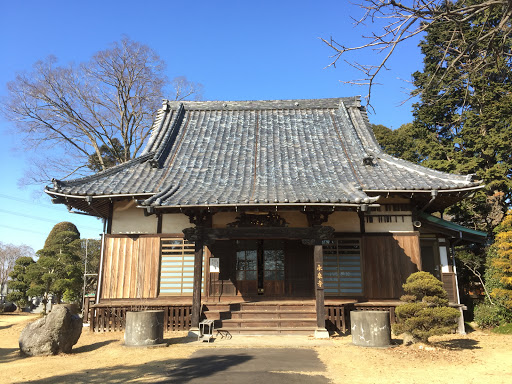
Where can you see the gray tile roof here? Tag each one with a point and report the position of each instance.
(261, 152)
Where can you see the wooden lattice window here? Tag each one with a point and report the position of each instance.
(342, 267)
(247, 260)
(177, 268)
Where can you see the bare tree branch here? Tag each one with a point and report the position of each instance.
(78, 113)
(9, 253)
(395, 22)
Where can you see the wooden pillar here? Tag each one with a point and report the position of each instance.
(321, 331)
(198, 272)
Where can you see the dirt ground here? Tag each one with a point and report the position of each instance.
(478, 357)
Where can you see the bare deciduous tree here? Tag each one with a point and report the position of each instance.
(9, 253)
(394, 22)
(80, 112)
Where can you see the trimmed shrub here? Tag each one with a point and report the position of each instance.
(425, 311)
(487, 315)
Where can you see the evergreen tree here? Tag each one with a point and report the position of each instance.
(501, 267)
(19, 284)
(463, 122)
(425, 310)
(399, 142)
(58, 271)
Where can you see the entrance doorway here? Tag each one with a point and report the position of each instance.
(430, 261)
(263, 267)
(260, 267)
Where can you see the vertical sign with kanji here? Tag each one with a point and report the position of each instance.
(319, 277)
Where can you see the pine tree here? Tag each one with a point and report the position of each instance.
(425, 311)
(19, 284)
(58, 271)
(463, 123)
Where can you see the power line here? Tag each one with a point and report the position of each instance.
(30, 202)
(23, 230)
(41, 219)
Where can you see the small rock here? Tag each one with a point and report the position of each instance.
(409, 339)
(53, 334)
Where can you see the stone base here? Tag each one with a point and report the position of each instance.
(461, 326)
(144, 328)
(321, 333)
(193, 332)
(370, 328)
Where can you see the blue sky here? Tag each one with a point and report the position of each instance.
(238, 50)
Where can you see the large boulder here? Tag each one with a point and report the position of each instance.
(53, 334)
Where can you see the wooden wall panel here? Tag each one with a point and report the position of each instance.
(130, 267)
(223, 283)
(450, 286)
(387, 262)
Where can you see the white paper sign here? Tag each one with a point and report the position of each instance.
(214, 265)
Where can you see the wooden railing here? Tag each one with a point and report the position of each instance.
(108, 318)
(336, 318)
(88, 302)
(377, 307)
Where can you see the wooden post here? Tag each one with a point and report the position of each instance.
(321, 331)
(196, 296)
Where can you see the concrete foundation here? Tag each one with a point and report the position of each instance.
(321, 333)
(370, 328)
(145, 328)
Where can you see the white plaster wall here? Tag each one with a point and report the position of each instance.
(127, 219)
(295, 219)
(443, 255)
(398, 226)
(221, 219)
(401, 221)
(175, 222)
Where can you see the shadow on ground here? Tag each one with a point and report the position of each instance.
(162, 371)
(180, 340)
(5, 326)
(468, 328)
(458, 344)
(92, 347)
(9, 354)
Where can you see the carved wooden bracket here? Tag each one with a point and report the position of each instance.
(270, 219)
(199, 235)
(317, 217)
(309, 235)
(199, 217)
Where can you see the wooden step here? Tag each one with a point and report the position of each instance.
(276, 307)
(256, 314)
(266, 323)
(263, 318)
(216, 307)
(255, 331)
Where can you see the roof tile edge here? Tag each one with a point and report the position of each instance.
(327, 103)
